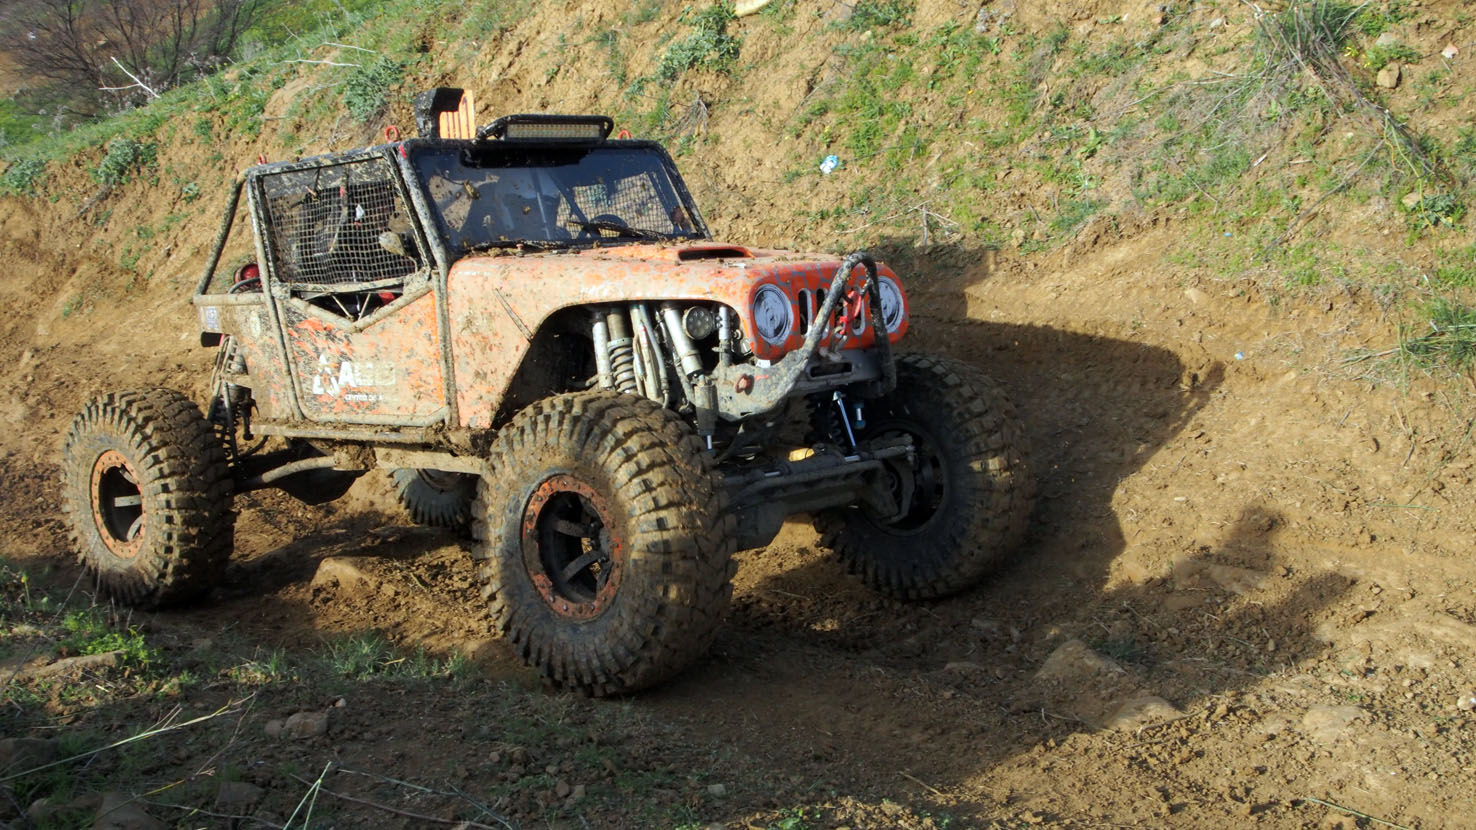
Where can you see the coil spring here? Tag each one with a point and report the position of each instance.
(622, 364)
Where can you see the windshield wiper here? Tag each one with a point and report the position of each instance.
(530, 244)
(617, 227)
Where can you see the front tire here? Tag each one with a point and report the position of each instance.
(969, 483)
(605, 540)
(147, 492)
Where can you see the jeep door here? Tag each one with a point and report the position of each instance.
(352, 292)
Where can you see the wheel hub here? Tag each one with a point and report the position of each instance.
(573, 553)
(117, 504)
(923, 488)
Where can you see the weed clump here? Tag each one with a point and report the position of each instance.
(710, 46)
(367, 88)
(124, 157)
(20, 178)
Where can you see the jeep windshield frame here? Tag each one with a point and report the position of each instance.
(488, 195)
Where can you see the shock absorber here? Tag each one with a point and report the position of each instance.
(622, 351)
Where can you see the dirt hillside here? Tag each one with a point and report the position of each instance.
(1246, 595)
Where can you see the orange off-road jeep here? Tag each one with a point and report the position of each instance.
(531, 328)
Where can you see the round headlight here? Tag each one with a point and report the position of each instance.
(891, 304)
(773, 314)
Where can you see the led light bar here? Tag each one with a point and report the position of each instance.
(541, 127)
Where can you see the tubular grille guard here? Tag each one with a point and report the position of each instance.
(325, 223)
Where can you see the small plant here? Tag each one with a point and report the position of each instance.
(189, 192)
(367, 88)
(20, 178)
(124, 157)
(1377, 57)
(793, 818)
(1437, 210)
(88, 632)
(708, 47)
(260, 671)
(870, 14)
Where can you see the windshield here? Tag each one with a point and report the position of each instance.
(499, 195)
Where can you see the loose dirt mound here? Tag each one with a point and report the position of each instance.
(1245, 595)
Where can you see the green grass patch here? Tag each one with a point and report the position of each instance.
(1448, 341)
(710, 46)
(368, 655)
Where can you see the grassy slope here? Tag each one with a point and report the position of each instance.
(1022, 135)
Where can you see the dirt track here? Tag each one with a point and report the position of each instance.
(1227, 532)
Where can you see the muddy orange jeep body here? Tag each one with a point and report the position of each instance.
(532, 328)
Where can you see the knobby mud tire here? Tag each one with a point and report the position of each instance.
(147, 492)
(435, 498)
(966, 428)
(623, 464)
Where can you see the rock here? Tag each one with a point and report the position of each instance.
(21, 754)
(1072, 659)
(1141, 710)
(963, 667)
(1235, 580)
(76, 665)
(238, 796)
(717, 790)
(579, 792)
(304, 725)
(1327, 723)
(1450, 52)
(1386, 40)
(562, 789)
(340, 572)
(746, 7)
(1388, 77)
(1466, 702)
(119, 811)
(1411, 200)
(273, 728)
(1217, 23)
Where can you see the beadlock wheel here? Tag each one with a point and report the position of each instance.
(117, 504)
(573, 557)
(147, 493)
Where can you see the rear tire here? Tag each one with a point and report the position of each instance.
(971, 487)
(435, 498)
(147, 492)
(605, 541)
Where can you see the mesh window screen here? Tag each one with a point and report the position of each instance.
(325, 224)
(632, 200)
